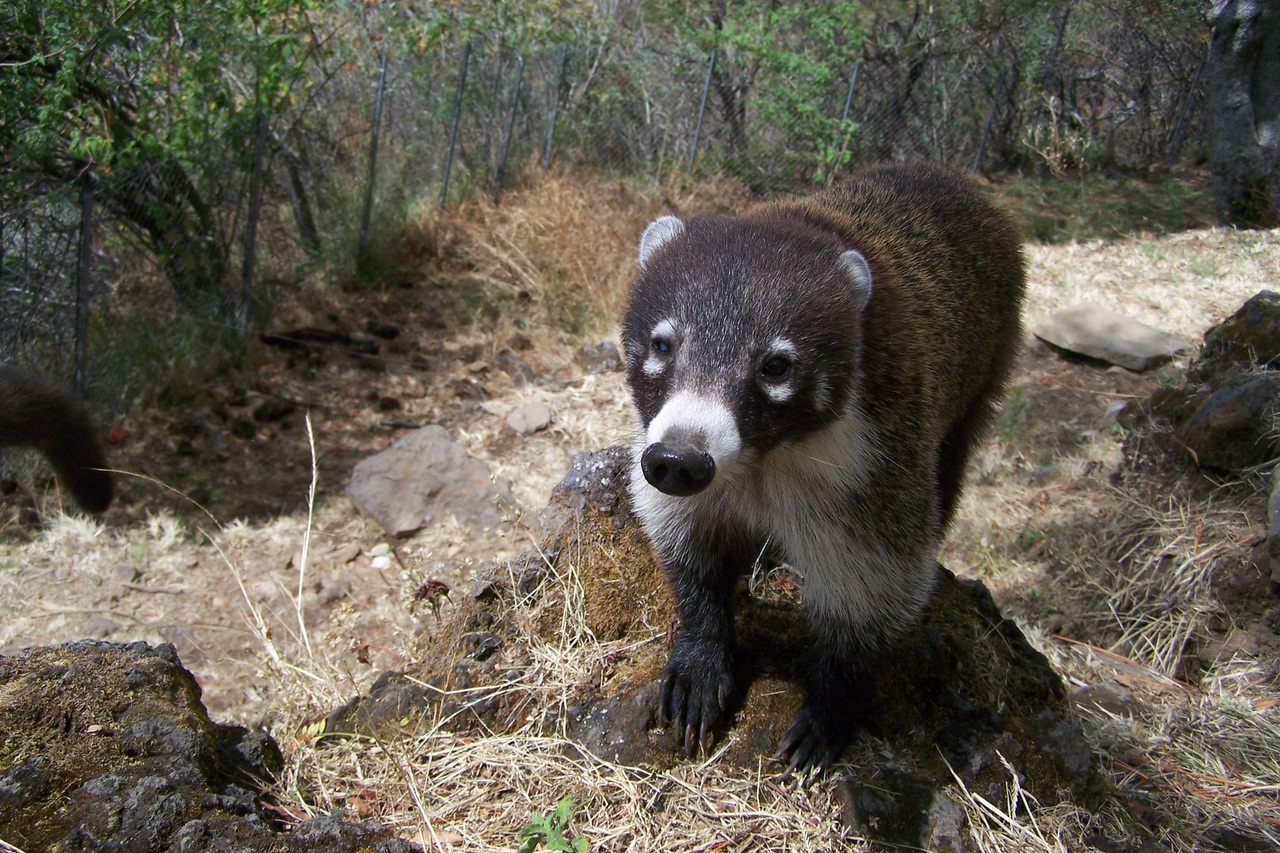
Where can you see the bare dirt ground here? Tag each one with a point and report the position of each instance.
(1144, 592)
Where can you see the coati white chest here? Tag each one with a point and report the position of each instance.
(811, 378)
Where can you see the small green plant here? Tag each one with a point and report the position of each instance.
(550, 830)
(1013, 418)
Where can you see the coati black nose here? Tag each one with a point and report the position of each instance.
(679, 472)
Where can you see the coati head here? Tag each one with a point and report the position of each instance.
(741, 334)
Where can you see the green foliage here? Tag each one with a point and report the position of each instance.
(1106, 206)
(152, 103)
(781, 75)
(551, 830)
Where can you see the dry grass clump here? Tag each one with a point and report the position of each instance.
(560, 251)
(1190, 740)
(1155, 586)
(447, 789)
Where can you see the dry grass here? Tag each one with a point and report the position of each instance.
(1129, 572)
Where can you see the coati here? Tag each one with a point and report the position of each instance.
(35, 414)
(811, 379)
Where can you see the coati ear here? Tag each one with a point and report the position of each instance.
(855, 265)
(660, 232)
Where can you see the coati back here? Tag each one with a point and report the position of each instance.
(810, 379)
(35, 414)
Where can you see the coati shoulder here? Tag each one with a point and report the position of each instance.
(35, 414)
(811, 378)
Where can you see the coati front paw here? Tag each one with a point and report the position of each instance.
(816, 738)
(696, 686)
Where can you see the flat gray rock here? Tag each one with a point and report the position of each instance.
(1101, 333)
(421, 480)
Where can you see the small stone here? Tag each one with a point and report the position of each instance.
(515, 367)
(345, 552)
(273, 410)
(599, 358)
(243, 428)
(381, 563)
(529, 418)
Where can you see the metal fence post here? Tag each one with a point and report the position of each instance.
(555, 107)
(453, 127)
(1175, 141)
(511, 124)
(82, 282)
(844, 117)
(362, 254)
(697, 130)
(986, 129)
(251, 237)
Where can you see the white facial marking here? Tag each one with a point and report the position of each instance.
(780, 392)
(702, 415)
(782, 346)
(664, 329)
(657, 362)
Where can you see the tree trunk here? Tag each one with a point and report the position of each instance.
(1243, 120)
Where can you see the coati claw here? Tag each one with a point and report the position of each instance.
(810, 743)
(696, 686)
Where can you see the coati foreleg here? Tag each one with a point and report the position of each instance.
(865, 583)
(698, 679)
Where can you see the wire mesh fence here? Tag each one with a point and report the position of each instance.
(384, 127)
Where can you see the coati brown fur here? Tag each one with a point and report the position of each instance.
(811, 379)
(35, 414)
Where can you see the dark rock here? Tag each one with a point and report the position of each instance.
(271, 410)
(1233, 427)
(469, 389)
(379, 329)
(120, 755)
(243, 428)
(1222, 416)
(393, 701)
(1249, 336)
(900, 809)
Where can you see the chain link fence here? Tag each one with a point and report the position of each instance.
(386, 129)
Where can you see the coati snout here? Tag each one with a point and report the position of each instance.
(811, 378)
(677, 466)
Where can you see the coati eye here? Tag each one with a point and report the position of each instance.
(776, 367)
(662, 346)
